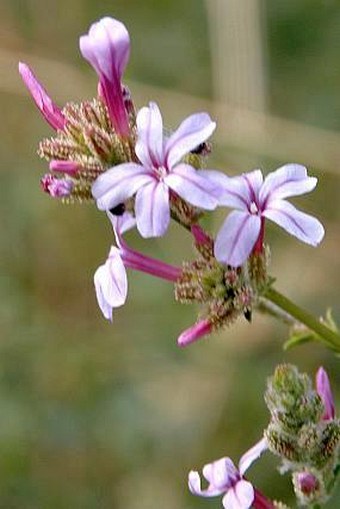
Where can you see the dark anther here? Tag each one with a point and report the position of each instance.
(118, 210)
(202, 149)
(247, 314)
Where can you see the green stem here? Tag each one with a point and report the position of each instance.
(322, 332)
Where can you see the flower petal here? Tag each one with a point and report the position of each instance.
(239, 497)
(254, 181)
(233, 191)
(221, 473)
(237, 237)
(289, 180)
(303, 226)
(119, 183)
(323, 388)
(152, 209)
(194, 483)
(149, 146)
(193, 187)
(193, 131)
(252, 454)
(110, 282)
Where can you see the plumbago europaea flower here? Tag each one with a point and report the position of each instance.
(110, 279)
(160, 170)
(102, 151)
(143, 175)
(93, 135)
(256, 199)
(227, 480)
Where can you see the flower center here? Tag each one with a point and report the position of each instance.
(161, 172)
(253, 208)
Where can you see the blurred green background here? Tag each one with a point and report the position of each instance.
(99, 415)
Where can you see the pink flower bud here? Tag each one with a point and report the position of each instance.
(69, 167)
(323, 388)
(107, 47)
(49, 110)
(197, 331)
(306, 482)
(57, 188)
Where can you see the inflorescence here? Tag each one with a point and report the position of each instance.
(142, 176)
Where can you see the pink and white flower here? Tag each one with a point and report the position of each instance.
(110, 279)
(50, 111)
(159, 172)
(107, 48)
(227, 480)
(256, 199)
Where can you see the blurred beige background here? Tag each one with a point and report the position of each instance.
(100, 415)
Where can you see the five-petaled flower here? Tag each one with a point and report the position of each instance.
(256, 200)
(107, 49)
(224, 478)
(159, 171)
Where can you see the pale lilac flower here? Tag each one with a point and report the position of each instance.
(256, 200)
(56, 187)
(110, 282)
(323, 388)
(49, 110)
(107, 47)
(110, 279)
(159, 172)
(227, 480)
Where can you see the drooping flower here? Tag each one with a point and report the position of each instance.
(110, 278)
(323, 388)
(255, 200)
(110, 282)
(107, 47)
(159, 172)
(225, 479)
(48, 109)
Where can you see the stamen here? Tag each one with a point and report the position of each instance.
(161, 172)
(253, 208)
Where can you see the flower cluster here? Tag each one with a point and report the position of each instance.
(143, 175)
(132, 168)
